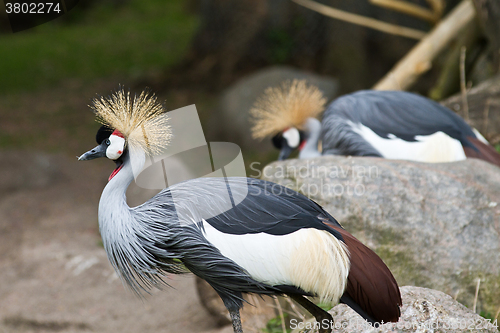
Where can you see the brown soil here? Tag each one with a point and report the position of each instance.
(54, 273)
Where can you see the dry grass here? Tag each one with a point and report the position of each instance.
(463, 86)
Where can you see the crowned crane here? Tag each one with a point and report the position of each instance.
(389, 124)
(274, 242)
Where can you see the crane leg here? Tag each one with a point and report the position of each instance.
(235, 318)
(324, 319)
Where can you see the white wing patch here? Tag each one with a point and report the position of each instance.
(434, 148)
(310, 259)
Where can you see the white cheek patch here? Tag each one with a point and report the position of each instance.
(292, 137)
(115, 149)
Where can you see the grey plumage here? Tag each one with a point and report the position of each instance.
(241, 235)
(158, 237)
(145, 242)
(402, 114)
(339, 138)
(388, 124)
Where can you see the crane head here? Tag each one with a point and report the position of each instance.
(111, 144)
(287, 141)
(285, 110)
(131, 123)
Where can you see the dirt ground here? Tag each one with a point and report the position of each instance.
(54, 274)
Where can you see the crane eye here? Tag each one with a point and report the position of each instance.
(107, 142)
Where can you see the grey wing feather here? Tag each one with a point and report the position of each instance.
(400, 113)
(257, 206)
(176, 214)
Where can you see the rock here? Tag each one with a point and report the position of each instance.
(435, 225)
(424, 310)
(55, 275)
(237, 100)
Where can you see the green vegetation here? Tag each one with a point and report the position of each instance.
(132, 40)
(274, 325)
(281, 46)
(49, 74)
(490, 318)
(325, 306)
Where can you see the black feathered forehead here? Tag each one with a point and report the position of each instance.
(103, 133)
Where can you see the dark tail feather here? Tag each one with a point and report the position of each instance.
(371, 285)
(356, 307)
(483, 151)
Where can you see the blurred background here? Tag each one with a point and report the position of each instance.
(196, 52)
(217, 54)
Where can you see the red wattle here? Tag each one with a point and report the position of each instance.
(115, 172)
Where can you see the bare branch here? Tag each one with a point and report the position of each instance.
(361, 20)
(486, 116)
(419, 59)
(409, 9)
(437, 6)
(476, 295)
(282, 316)
(463, 85)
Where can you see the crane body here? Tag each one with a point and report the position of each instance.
(399, 125)
(387, 124)
(274, 242)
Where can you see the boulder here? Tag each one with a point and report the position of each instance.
(435, 225)
(424, 310)
(237, 100)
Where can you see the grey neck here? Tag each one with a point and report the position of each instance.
(313, 130)
(113, 198)
(115, 215)
(122, 231)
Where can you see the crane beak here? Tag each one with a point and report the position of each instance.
(285, 151)
(99, 151)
